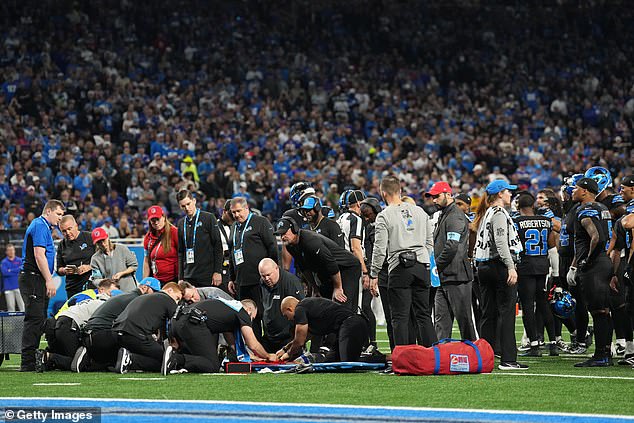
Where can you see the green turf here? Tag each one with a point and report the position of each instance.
(495, 391)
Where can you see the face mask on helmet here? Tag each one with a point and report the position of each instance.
(570, 183)
(299, 190)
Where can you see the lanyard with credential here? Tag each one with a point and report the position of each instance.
(246, 225)
(185, 230)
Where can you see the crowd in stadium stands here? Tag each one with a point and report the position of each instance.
(116, 105)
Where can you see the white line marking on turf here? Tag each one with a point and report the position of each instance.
(564, 376)
(57, 384)
(141, 378)
(302, 405)
(224, 374)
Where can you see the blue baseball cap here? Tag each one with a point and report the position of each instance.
(499, 185)
(310, 203)
(153, 283)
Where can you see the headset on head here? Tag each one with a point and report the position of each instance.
(292, 222)
(373, 203)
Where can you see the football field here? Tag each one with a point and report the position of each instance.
(551, 385)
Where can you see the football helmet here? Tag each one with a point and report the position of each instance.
(562, 302)
(602, 177)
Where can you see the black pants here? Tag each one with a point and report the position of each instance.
(146, 353)
(595, 281)
(102, 347)
(33, 290)
(74, 289)
(351, 284)
(498, 305)
(366, 307)
(619, 305)
(66, 341)
(352, 338)
(408, 293)
(533, 296)
(253, 292)
(198, 350)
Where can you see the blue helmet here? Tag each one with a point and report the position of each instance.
(343, 200)
(562, 303)
(298, 190)
(602, 177)
(571, 182)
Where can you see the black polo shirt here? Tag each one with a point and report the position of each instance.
(145, 315)
(224, 315)
(316, 253)
(76, 252)
(276, 326)
(256, 239)
(321, 315)
(207, 249)
(105, 315)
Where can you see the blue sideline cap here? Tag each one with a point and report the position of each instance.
(499, 185)
(152, 283)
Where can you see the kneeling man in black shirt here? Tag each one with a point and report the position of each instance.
(195, 328)
(319, 316)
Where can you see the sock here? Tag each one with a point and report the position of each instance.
(534, 343)
(602, 335)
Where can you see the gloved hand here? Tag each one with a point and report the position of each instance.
(571, 276)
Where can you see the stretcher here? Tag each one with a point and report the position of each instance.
(334, 367)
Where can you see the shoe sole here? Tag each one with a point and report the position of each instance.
(123, 360)
(77, 359)
(166, 358)
(512, 368)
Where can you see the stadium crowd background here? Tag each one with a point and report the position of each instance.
(113, 106)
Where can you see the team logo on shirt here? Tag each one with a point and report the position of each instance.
(83, 246)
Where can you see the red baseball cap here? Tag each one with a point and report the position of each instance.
(438, 188)
(154, 212)
(98, 234)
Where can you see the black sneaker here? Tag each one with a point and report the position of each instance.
(620, 349)
(577, 348)
(40, 361)
(596, 362)
(78, 359)
(533, 351)
(168, 363)
(553, 350)
(123, 361)
(626, 361)
(512, 365)
(24, 369)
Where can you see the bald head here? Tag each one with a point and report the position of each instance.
(288, 307)
(269, 272)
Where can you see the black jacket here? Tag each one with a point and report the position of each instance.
(259, 242)
(451, 245)
(207, 250)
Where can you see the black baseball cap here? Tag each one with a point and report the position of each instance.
(283, 226)
(465, 198)
(588, 184)
(627, 181)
